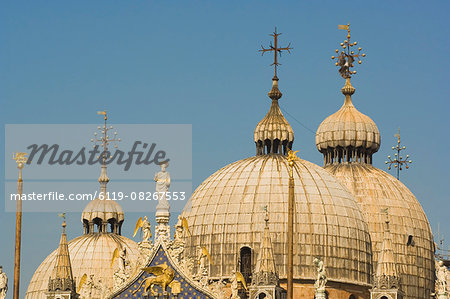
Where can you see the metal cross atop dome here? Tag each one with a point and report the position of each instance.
(346, 57)
(398, 160)
(275, 49)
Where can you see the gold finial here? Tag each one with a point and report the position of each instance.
(21, 159)
(275, 50)
(347, 56)
(63, 216)
(292, 157)
(398, 160)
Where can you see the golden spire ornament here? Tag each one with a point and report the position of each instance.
(347, 56)
(274, 48)
(21, 160)
(398, 160)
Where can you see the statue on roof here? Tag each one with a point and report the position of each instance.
(321, 275)
(3, 283)
(441, 278)
(162, 179)
(234, 286)
(146, 230)
(177, 247)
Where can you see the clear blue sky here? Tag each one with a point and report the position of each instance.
(197, 62)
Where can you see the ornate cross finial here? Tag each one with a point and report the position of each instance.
(346, 57)
(103, 137)
(398, 160)
(275, 49)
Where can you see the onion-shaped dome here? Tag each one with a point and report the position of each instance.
(348, 135)
(90, 254)
(410, 230)
(273, 134)
(102, 212)
(226, 215)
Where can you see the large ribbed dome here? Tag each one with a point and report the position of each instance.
(226, 213)
(411, 233)
(348, 135)
(89, 254)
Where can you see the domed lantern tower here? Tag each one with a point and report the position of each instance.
(348, 139)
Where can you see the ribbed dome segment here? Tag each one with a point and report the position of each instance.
(225, 214)
(409, 229)
(273, 134)
(348, 135)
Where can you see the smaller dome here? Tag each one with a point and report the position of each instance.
(102, 212)
(103, 209)
(348, 135)
(89, 254)
(273, 134)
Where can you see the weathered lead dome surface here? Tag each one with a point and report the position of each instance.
(226, 213)
(412, 238)
(90, 254)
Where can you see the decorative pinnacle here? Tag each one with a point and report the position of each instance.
(63, 216)
(346, 57)
(104, 139)
(275, 93)
(398, 160)
(275, 50)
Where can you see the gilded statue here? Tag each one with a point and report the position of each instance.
(163, 276)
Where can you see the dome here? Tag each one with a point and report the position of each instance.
(102, 209)
(90, 254)
(273, 134)
(412, 238)
(348, 135)
(226, 214)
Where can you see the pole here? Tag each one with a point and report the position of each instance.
(290, 238)
(20, 159)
